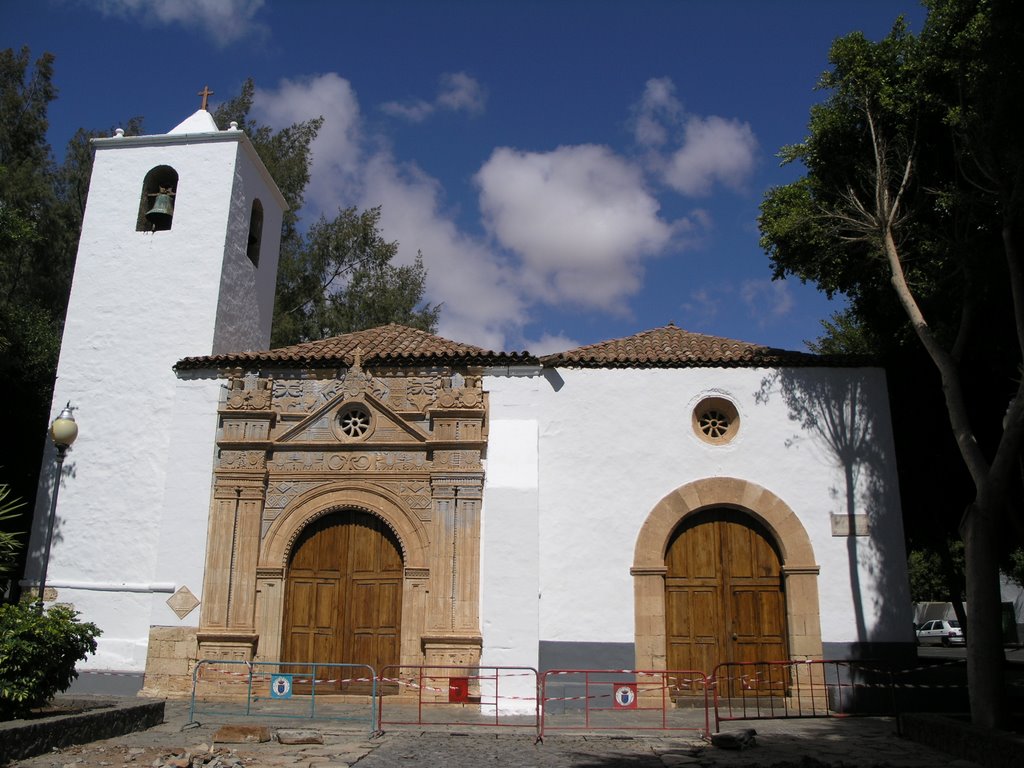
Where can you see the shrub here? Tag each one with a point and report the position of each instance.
(38, 652)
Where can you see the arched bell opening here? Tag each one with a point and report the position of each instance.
(255, 238)
(156, 205)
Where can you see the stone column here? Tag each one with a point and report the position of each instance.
(453, 627)
(803, 620)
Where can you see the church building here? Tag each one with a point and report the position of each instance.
(669, 500)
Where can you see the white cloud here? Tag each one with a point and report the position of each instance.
(482, 302)
(714, 150)
(415, 111)
(580, 219)
(766, 300)
(457, 92)
(658, 109)
(337, 150)
(572, 226)
(461, 93)
(701, 308)
(223, 20)
(550, 343)
(711, 150)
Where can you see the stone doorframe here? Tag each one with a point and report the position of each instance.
(282, 535)
(799, 570)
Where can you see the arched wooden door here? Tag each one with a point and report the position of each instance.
(343, 593)
(723, 593)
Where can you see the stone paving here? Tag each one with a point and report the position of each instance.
(782, 743)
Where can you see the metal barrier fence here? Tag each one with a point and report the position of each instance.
(562, 699)
(623, 699)
(761, 690)
(466, 696)
(284, 689)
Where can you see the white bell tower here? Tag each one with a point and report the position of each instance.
(177, 257)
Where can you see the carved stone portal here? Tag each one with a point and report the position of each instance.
(403, 445)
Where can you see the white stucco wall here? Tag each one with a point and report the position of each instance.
(139, 302)
(612, 443)
(509, 556)
(181, 549)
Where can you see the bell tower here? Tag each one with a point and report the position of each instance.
(177, 257)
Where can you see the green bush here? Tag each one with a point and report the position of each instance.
(38, 652)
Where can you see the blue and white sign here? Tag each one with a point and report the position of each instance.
(625, 696)
(280, 686)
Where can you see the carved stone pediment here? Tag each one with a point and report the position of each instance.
(352, 418)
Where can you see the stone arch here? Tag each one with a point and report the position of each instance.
(285, 531)
(798, 564)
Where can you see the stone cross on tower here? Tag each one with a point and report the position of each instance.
(206, 93)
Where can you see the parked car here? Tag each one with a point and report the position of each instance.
(941, 632)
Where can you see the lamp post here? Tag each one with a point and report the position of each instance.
(63, 432)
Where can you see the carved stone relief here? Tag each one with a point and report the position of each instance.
(337, 461)
(241, 459)
(249, 394)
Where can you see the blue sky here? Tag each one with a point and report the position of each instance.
(571, 171)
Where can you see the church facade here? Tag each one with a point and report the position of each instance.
(669, 500)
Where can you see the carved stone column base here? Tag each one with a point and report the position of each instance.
(226, 645)
(441, 651)
(225, 680)
(452, 650)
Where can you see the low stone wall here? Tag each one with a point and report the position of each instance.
(959, 738)
(25, 738)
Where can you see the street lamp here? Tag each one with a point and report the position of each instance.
(63, 432)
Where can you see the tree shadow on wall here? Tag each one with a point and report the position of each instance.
(844, 411)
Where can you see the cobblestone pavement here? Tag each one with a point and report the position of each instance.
(792, 743)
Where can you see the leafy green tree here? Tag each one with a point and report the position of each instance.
(925, 570)
(340, 278)
(911, 206)
(843, 335)
(1015, 570)
(35, 267)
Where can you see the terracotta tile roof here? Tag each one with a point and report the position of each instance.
(672, 347)
(389, 344)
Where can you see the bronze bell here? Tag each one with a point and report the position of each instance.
(162, 212)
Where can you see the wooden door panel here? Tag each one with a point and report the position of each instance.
(343, 593)
(390, 600)
(772, 614)
(723, 594)
(327, 604)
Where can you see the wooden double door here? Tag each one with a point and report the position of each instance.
(343, 594)
(724, 597)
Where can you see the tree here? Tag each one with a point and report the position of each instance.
(340, 278)
(35, 267)
(911, 205)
